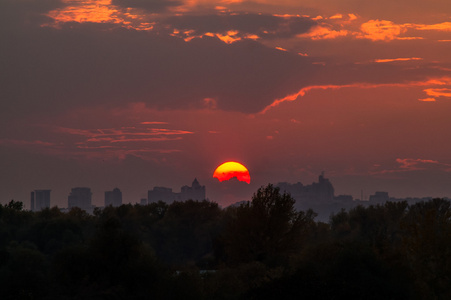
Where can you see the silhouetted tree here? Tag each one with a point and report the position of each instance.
(187, 231)
(427, 246)
(267, 229)
(17, 205)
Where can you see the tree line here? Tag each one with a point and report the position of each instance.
(262, 249)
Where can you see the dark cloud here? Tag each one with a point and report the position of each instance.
(82, 65)
(149, 5)
(15, 14)
(263, 25)
(38, 6)
(51, 69)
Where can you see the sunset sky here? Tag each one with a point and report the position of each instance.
(141, 93)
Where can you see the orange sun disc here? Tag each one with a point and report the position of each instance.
(232, 169)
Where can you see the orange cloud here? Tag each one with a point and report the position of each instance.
(444, 92)
(445, 26)
(153, 139)
(123, 131)
(336, 16)
(380, 30)
(427, 100)
(408, 38)
(230, 37)
(397, 59)
(352, 17)
(99, 11)
(111, 143)
(438, 92)
(413, 164)
(301, 93)
(322, 32)
(154, 123)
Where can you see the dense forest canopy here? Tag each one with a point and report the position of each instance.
(263, 249)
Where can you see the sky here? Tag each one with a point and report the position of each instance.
(141, 93)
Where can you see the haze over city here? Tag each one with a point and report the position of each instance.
(136, 94)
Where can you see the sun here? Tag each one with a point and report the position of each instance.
(232, 169)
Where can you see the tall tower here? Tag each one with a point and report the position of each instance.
(113, 198)
(193, 192)
(80, 197)
(40, 199)
(32, 201)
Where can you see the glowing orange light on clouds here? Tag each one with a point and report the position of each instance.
(443, 92)
(381, 30)
(321, 33)
(281, 49)
(438, 92)
(85, 11)
(397, 59)
(232, 169)
(99, 11)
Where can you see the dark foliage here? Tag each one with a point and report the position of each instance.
(263, 249)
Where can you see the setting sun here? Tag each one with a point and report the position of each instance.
(232, 169)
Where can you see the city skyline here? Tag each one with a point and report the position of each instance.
(319, 195)
(136, 94)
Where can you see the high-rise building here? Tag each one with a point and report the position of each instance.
(32, 201)
(113, 198)
(159, 193)
(317, 192)
(379, 197)
(80, 197)
(40, 199)
(193, 192)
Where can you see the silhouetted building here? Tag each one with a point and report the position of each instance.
(193, 192)
(143, 201)
(318, 196)
(379, 198)
(113, 198)
(317, 192)
(159, 193)
(344, 198)
(40, 199)
(80, 197)
(32, 201)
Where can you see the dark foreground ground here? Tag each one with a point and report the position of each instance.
(196, 250)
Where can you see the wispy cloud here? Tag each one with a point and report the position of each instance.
(385, 60)
(442, 92)
(153, 123)
(113, 134)
(13, 142)
(410, 165)
(445, 26)
(432, 92)
(107, 143)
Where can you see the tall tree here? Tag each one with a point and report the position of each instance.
(267, 229)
